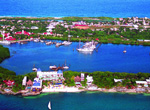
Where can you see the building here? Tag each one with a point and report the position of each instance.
(34, 27)
(77, 81)
(118, 80)
(82, 76)
(37, 83)
(9, 83)
(29, 83)
(50, 75)
(89, 80)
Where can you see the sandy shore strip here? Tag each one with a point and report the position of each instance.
(65, 89)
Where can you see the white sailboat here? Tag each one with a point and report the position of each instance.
(65, 67)
(49, 105)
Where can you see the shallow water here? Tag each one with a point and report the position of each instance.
(76, 101)
(109, 57)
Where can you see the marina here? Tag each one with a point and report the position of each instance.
(109, 57)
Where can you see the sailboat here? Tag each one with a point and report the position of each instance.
(49, 105)
(65, 67)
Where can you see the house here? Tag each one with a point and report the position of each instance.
(29, 83)
(89, 80)
(77, 81)
(37, 83)
(9, 83)
(118, 80)
(34, 27)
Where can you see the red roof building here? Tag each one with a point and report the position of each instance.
(77, 79)
(9, 83)
(29, 83)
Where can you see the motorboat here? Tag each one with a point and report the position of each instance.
(5, 42)
(52, 67)
(85, 49)
(36, 40)
(58, 44)
(34, 69)
(48, 43)
(66, 43)
(41, 41)
(124, 50)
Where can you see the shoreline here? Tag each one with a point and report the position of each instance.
(76, 90)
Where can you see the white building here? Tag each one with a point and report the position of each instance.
(34, 27)
(37, 83)
(89, 80)
(118, 80)
(82, 76)
(50, 75)
(141, 82)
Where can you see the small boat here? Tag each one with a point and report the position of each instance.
(36, 40)
(5, 42)
(41, 41)
(65, 67)
(49, 105)
(58, 44)
(124, 50)
(85, 49)
(66, 43)
(52, 67)
(48, 43)
(34, 69)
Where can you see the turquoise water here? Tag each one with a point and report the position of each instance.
(76, 101)
(109, 57)
(84, 8)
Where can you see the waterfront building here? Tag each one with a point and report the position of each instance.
(89, 80)
(77, 81)
(37, 83)
(50, 75)
(82, 76)
(9, 83)
(29, 83)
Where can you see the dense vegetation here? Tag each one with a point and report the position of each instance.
(4, 53)
(6, 74)
(106, 79)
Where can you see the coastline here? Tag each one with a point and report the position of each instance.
(74, 90)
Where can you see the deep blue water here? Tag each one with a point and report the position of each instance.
(109, 57)
(76, 101)
(83, 8)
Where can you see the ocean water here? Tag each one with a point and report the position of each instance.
(81, 8)
(109, 57)
(76, 101)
